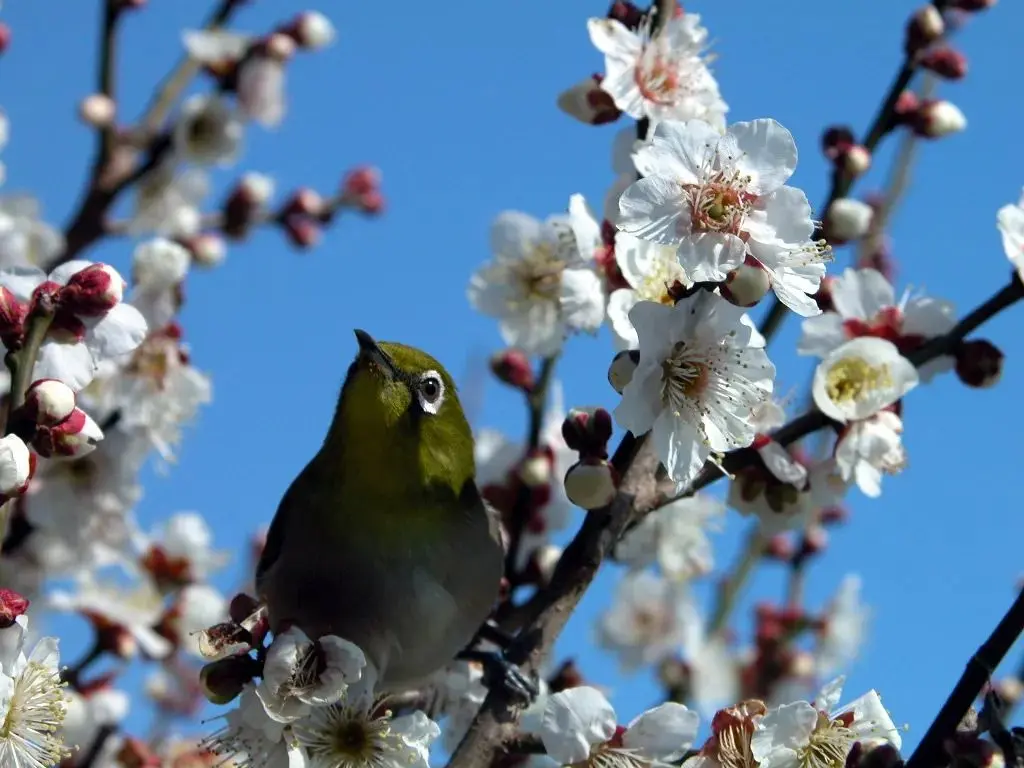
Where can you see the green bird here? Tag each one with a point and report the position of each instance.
(383, 539)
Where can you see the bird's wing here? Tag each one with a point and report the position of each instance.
(279, 525)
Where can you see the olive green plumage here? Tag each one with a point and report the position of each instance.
(383, 539)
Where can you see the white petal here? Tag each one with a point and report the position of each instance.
(65, 271)
(213, 46)
(71, 363)
(641, 402)
(573, 721)
(861, 293)
(663, 733)
(872, 720)
(821, 334)
(679, 447)
(787, 727)
(117, 334)
(768, 153)
(14, 464)
(513, 233)
(653, 209)
(21, 281)
(898, 376)
(709, 256)
(928, 317)
(619, 305)
(614, 39)
(582, 298)
(678, 150)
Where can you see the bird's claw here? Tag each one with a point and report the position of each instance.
(499, 672)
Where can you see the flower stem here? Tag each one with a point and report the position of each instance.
(734, 582)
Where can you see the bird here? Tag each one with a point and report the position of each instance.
(383, 538)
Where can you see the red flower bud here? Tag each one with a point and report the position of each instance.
(512, 367)
(924, 27)
(76, 436)
(945, 62)
(302, 232)
(12, 605)
(223, 680)
(93, 291)
(979, 363)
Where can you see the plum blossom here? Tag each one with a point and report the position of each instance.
(90, 323)
(701, 373)
(1010, 221)
(648, 620)
(675, 537)
(578, 727)
(181, 551)
(158, 268)
(541, 285)
(864, 304)
(720, 198)
(784, 492)
(167, 201)
(860, 378)
(731, 732)
(650, 271)
(844, 628)
(809, 736)
(209, 131)
(660, 77)
(25, 239)
(869, 448)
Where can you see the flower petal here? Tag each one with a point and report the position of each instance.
(663, 733)
(573, 721)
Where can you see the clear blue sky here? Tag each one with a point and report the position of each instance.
(455, 101)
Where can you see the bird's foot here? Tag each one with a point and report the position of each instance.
(502, 673)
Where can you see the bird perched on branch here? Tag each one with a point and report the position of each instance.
(383, 539)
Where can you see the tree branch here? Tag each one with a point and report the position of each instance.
(979, 669)
(107, 78)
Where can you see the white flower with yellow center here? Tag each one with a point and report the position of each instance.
(721, 197)
(870, 448)
(800, 735)
(578, 727)
(541, 284)
(660, 77)
(702, 372)
(32, 701)
(651, 270)
(860, 378)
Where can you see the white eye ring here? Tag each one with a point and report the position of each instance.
(430, 392)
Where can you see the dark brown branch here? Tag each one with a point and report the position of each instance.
(107, 77)
(980, 666)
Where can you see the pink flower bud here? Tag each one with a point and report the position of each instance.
(626, 13)
(361, 189)
(907, 103)
(856, 160)
(979, 363)
(302, 232)
(223, 680)
(76, 436)
(589, 103)
(15, 466)
(623, 366)
(5, 37)
(780, 548)
(747, 284)
(12, 314)
(251, 194)
(12, 605)
(591, 484)
(587, 431)
(937, 118)
(306, 202)
(311, 30)
(93, 291)
(945, 62)
(208, 249)
(924, 27)
(97, 110)
(49, 401)
(512, 367)
(847, 219)
(814, 541)
(279, 46)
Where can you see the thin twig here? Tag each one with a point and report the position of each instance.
(107, 77)
(733, 583)
(979, 669)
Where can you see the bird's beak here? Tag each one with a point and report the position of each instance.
(371, 352)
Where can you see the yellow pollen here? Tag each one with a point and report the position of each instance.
(828, 746)
(852, 379)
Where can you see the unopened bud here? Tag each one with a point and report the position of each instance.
(847, 219)
(855, 161)
(256, 188)
(93, 291)
(207, 250)
(836, 140)
(49, 401)
(780, 548)
(591, 484)
(937, 118)
(311, 30)
(623, 366)
(361, 189)
(747, 284)
(814, 541)
(979, 363)
(15, 465)
(97, 110)
(223, 640)
(589, 103)
(13, 312)
(945, 62)
(279, 46)
(76, 436)
(535, 469)
(568, 675)
(307, 202)
(924, 27)
(12, 605)
(302, 232)
(626, 13)
(251, 194)
(223, 680)
(1010, 690)
(5, 37)
(512, 367)
(587, 431)
(907, 103)
(972, 5)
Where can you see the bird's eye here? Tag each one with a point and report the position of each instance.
(430, 392)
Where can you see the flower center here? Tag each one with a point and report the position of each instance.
(852, 379)
(656, 284)
(683, 377)
(351, 739)
(720, 203)
(539, 275)
(657, 76)
(828, 746)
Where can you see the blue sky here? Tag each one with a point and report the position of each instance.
(455, 102)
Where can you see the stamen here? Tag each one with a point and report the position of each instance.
(852, 379)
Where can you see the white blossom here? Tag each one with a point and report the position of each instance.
(209, 131)
(865, 304)
(14, 464)
(541, 284)
(869, 448)
(660, 77)
(167, 201)
(721, 197)
(25, 239)
(861, 377)
(250, 739)
(701, 374)
(845, 626)
(675, 537)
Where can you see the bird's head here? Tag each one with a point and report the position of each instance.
(399, 413)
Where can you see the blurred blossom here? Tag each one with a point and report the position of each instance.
(209, 131)
(25, 239)
(167, 201)
(845, 626)
(675, 537)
